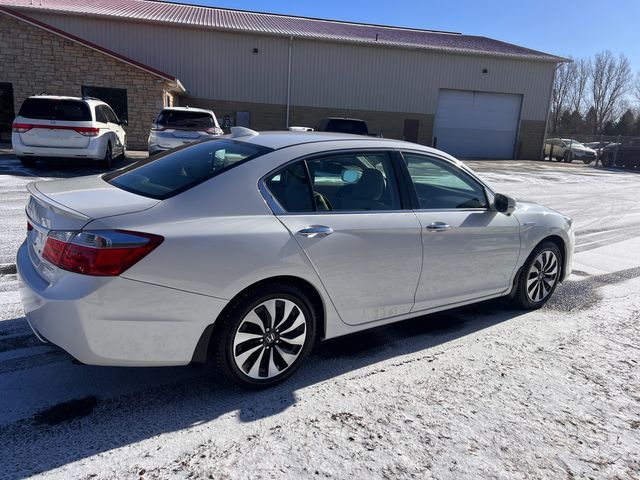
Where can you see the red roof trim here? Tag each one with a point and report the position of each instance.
(86, 43)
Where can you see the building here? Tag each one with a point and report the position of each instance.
(469, 95)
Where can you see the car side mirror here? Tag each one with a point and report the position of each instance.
(123, 122)
(504, 204)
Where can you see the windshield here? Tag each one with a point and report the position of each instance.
(181, 118)
(573, 143)
(52, 109)
(178, 170)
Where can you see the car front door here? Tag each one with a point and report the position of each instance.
(346, 213)
(470, 250)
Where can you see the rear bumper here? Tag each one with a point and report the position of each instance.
(112, 320)
(94, 151)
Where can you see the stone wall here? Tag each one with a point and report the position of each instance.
(37, 61)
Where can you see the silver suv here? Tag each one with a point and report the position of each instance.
(177, 126)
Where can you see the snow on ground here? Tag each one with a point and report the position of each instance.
(480, 392)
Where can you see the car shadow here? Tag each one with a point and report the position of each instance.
(59, 168)
(118, 407)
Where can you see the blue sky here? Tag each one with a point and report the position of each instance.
(564, 27)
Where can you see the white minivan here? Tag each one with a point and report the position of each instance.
(67, 127)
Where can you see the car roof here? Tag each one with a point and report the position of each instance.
(187, 109)
(88, 100)
(283, 139)
(344, 118)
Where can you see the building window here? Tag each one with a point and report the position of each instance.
(6, 111)
(116, 98)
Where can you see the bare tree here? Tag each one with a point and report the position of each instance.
(636, 88)
(562, 87)
(581, 70)
(610, 82)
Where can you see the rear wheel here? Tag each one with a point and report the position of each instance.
(27, 162)
(607, 161)
(568, 156)
(539, 276)
(107, 162)
(265, 336)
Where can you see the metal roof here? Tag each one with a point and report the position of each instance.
(286, 25)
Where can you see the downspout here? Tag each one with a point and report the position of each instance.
(289, 81)
(546, 125)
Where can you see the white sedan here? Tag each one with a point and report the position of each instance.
(251, 248)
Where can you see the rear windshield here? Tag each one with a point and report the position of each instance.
(180, 118)
(174, 172)
(52, 109)
(347, 126)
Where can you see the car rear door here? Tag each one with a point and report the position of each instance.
(470, 251)
(345, 211)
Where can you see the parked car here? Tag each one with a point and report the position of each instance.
(177, 126)
(50, 126)
(567, 150)
(345, 125)
(250, 248)
(625, 154)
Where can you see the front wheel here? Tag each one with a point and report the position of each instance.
(27, 162)
(539, 276)
(265, 336)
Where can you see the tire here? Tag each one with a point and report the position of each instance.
(587, 161)
(607, 161)
(107, 162)
(535, 285)
(251, 349)
(567, 157)
(27, 162)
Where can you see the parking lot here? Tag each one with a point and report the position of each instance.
(481, 392)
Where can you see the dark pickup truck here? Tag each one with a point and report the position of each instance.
(345, 125)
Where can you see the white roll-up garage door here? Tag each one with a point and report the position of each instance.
(477, 124)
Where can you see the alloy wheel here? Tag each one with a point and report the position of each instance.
(542, 276)
(269, 339)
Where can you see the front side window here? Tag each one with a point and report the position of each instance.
(340, 182)
(440, 185)
(167, 175)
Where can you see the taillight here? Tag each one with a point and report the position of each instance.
(87, 131)
(21, 127)
(99, 252)
(29, 226)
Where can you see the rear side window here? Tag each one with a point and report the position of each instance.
(52, 109)
(184, 119)
(172, 173)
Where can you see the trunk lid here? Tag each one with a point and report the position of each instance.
(52, 134)
(69, 205)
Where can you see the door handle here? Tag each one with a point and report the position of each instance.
(438, 227)
(316, 231)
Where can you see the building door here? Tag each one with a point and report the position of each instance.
(477, 124)
(411, 129)
(7, 114)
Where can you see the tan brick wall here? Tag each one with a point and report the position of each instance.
(531, 139)
(273, 116)
(36, 61)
